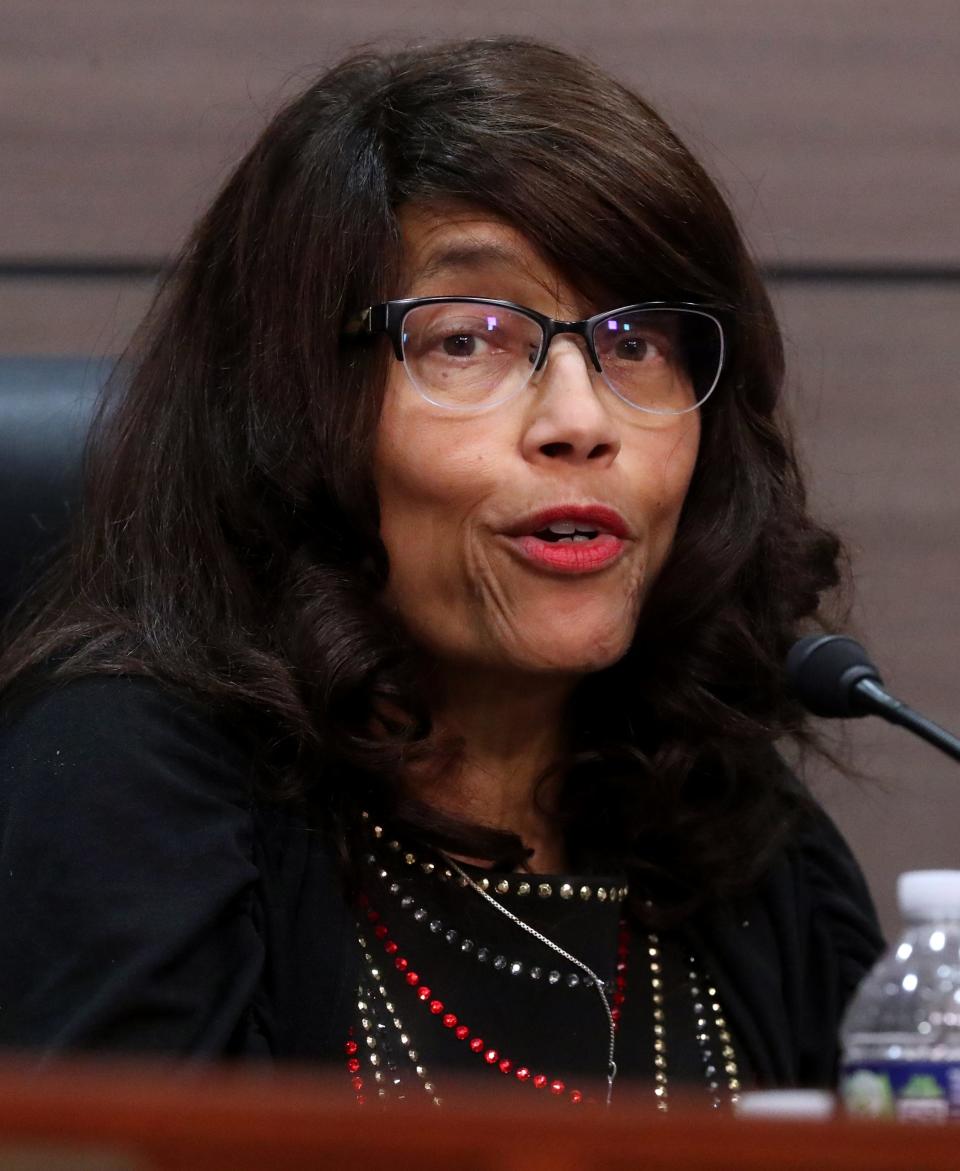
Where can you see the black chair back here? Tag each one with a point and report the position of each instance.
(45, 409)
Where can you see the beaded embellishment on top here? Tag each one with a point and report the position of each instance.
(550, 977)
(511, 884)
(428, 997)
(379, 1043)
(714, 1066)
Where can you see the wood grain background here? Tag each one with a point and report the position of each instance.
(834, 125)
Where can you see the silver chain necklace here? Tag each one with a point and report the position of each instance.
(597, 982)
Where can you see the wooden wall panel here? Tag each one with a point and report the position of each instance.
(834, 123)
(50, 316)
(873, 389)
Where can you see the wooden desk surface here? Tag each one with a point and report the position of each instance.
(82, 1115)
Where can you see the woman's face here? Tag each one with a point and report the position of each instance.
(462, 495)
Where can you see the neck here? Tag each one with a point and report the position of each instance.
(509, 733)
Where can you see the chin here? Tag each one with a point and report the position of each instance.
(579, 656)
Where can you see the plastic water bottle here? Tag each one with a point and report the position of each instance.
(901, 1033)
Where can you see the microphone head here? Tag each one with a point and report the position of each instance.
(824, 669)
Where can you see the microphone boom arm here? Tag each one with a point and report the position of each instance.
(871, 697)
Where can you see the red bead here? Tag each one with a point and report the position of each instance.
(622, 966)
(380, 931)
(350, 1048)
(576, 1097)
(361, 1099)
(362, 901)
(353, 1065)
(615, 1013)
(449, 1020)
(539, 1081)
(476, 1044)
(436, 1007)
(423, 992)
(373, 915)
(491, 1057)
(557, 1087)
(506, 1065)
(618, 998)
(357, 1083)
(522, 1074)
(401, 964)
(413, 979)
(391, 948)
(461, 1032)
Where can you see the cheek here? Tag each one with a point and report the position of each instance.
(425, 479)
(431, 472)
(666, 462)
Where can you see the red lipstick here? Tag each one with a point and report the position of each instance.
(572, 538)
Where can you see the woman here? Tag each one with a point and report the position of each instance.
(409, 694)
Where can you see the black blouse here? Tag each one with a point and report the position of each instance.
(151, 903)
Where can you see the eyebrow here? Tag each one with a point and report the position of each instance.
(470, 255)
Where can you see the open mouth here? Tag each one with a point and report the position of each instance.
(564, 530)
(573, 539)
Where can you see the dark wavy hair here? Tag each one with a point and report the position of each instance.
(229, 544)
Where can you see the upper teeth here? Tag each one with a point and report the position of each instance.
(568, 530)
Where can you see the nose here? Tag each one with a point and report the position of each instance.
(567, 420)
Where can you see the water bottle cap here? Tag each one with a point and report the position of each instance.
(927, 894)
(785, 1104)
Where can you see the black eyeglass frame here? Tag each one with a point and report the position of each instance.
(388, 318)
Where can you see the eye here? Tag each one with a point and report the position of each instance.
(460, 345)
(458, 337)
(636, 349)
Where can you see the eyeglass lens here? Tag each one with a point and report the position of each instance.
(463, 355)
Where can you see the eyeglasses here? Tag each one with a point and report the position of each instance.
(471, 353)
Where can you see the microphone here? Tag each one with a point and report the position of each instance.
(832, 676)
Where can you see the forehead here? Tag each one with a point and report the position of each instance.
(453, 248)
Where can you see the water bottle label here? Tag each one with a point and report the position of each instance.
(920, 1091)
